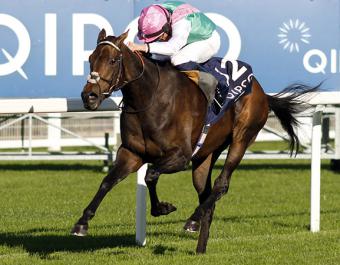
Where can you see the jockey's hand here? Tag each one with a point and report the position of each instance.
(137, 47)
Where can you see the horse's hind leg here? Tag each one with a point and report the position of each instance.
(205, 212)
(126, 163)
(248, 123)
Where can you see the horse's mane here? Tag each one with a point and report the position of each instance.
(147, 56)
(164, 63)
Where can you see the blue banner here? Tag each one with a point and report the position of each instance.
(44, 45)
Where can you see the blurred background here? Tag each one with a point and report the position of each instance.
(44, 53)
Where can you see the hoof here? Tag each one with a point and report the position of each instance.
(163, 208)
(191, 226)
(200, 251)
(79, 230)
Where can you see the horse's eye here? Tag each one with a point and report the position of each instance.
(112, 61)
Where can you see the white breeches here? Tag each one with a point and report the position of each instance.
(199, 51)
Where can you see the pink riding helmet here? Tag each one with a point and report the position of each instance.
(152, 22)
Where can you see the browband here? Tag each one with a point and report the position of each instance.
(109, 43)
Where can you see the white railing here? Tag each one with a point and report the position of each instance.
(320, 101)
(53, 107)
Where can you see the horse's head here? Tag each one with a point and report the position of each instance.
(106, 70)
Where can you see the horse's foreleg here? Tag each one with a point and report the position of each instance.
(157, 208)
(126, 163)
(174, 161)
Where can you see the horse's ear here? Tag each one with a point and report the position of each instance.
(122, 37)
(101, 36)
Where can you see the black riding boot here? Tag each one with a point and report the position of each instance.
(218, 100)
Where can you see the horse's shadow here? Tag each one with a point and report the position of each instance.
(43, 245)
(52, 167)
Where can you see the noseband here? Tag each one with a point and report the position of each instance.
(94, 77)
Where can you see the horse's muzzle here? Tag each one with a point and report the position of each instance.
(91, 100)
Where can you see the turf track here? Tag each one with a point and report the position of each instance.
(263, 220)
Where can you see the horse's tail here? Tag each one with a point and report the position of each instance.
(287, 104)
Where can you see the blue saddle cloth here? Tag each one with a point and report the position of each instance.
(234, 80)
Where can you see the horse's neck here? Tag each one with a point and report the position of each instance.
(138, 93)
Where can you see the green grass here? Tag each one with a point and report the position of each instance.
(269, 145)
(263, 219)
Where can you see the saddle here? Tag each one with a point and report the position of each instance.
(222, 83)
(205, 81)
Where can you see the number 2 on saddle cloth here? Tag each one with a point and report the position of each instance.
(234, 80)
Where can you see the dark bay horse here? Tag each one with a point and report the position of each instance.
(161, 122)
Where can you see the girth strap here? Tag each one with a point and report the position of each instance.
(202, 138)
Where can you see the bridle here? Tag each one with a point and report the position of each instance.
(94, 77)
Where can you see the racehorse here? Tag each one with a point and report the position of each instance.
(162, 117)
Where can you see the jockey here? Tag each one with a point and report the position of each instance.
(177, 30)
(180, 32)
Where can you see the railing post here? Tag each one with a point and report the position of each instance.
(337, 133)
(54, 133)
(335, 163)
(116, 129)
(141, 207)
(22, 134)
(30, 134)
(305, 130)
(108, 162)
(325, 133)
(316, 170)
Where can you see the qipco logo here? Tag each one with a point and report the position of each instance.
(316, 61)
(79, 54)
(15, 62)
